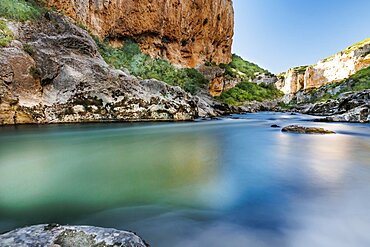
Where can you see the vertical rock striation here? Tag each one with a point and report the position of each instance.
(187, 33)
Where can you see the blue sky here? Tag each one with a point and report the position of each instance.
(279, 34)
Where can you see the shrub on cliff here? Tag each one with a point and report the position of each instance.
(19, 10)
(249, 91)
(240, 68)
(5, 34)
(138, 64)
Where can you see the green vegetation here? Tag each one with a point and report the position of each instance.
(19, 10)
(29, 49)
(361, 80)
(138, 64)
(300, 69)
(246, 91)
(249, 91)
(5, 34)
(239, 68)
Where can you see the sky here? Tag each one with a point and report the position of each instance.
(280, 34)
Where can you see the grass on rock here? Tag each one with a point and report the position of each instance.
(138, 64)
(240, 68)
(19, 10)
(5, 34)
(249, 91)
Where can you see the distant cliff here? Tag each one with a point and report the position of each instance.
(187, 33)
(332, 69)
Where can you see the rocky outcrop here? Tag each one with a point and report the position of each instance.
(218, 81)
(53, 73)
(349, 107)
(265, 78)
(53, 235)
(329, 70)
(187, 33)
(292, 81)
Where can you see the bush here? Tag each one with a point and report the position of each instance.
(19, 10)
(139, 64)
(249, 91)
(5, 34)
(239, 68)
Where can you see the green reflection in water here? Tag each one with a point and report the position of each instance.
(85, 171)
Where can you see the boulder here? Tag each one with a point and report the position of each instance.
(306, 130)
(69, 236)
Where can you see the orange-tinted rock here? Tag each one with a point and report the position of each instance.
(187, 32)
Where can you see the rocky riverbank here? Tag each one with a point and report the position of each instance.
(52, 72)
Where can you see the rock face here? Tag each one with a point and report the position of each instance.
(218, 81)
(265, 78)
(187, 32)
(292, 81)
(332, 69)
(53, 73)
(69, 236)
(349, 107)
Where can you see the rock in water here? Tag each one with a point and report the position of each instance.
(306, 130)
(69, 236)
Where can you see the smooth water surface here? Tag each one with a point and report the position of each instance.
(232, 182)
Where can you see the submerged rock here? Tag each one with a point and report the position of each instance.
(306, 130)
(69, 236)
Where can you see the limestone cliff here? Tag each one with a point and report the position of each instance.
(187, 32)
(329, 70)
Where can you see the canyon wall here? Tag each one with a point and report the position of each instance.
(187, 33)
(329, 70)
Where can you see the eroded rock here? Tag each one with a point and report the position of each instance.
(58, 76)
(187, 33)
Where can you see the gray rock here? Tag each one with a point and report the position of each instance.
(359, 114)
(69, 236)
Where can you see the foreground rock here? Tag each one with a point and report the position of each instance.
(69, 236)
(306, 130)
(53, 73)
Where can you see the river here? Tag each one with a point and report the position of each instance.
(229, 182)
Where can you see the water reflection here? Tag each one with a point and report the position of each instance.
(235, 182)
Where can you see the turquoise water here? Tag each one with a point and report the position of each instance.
(231, 182)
